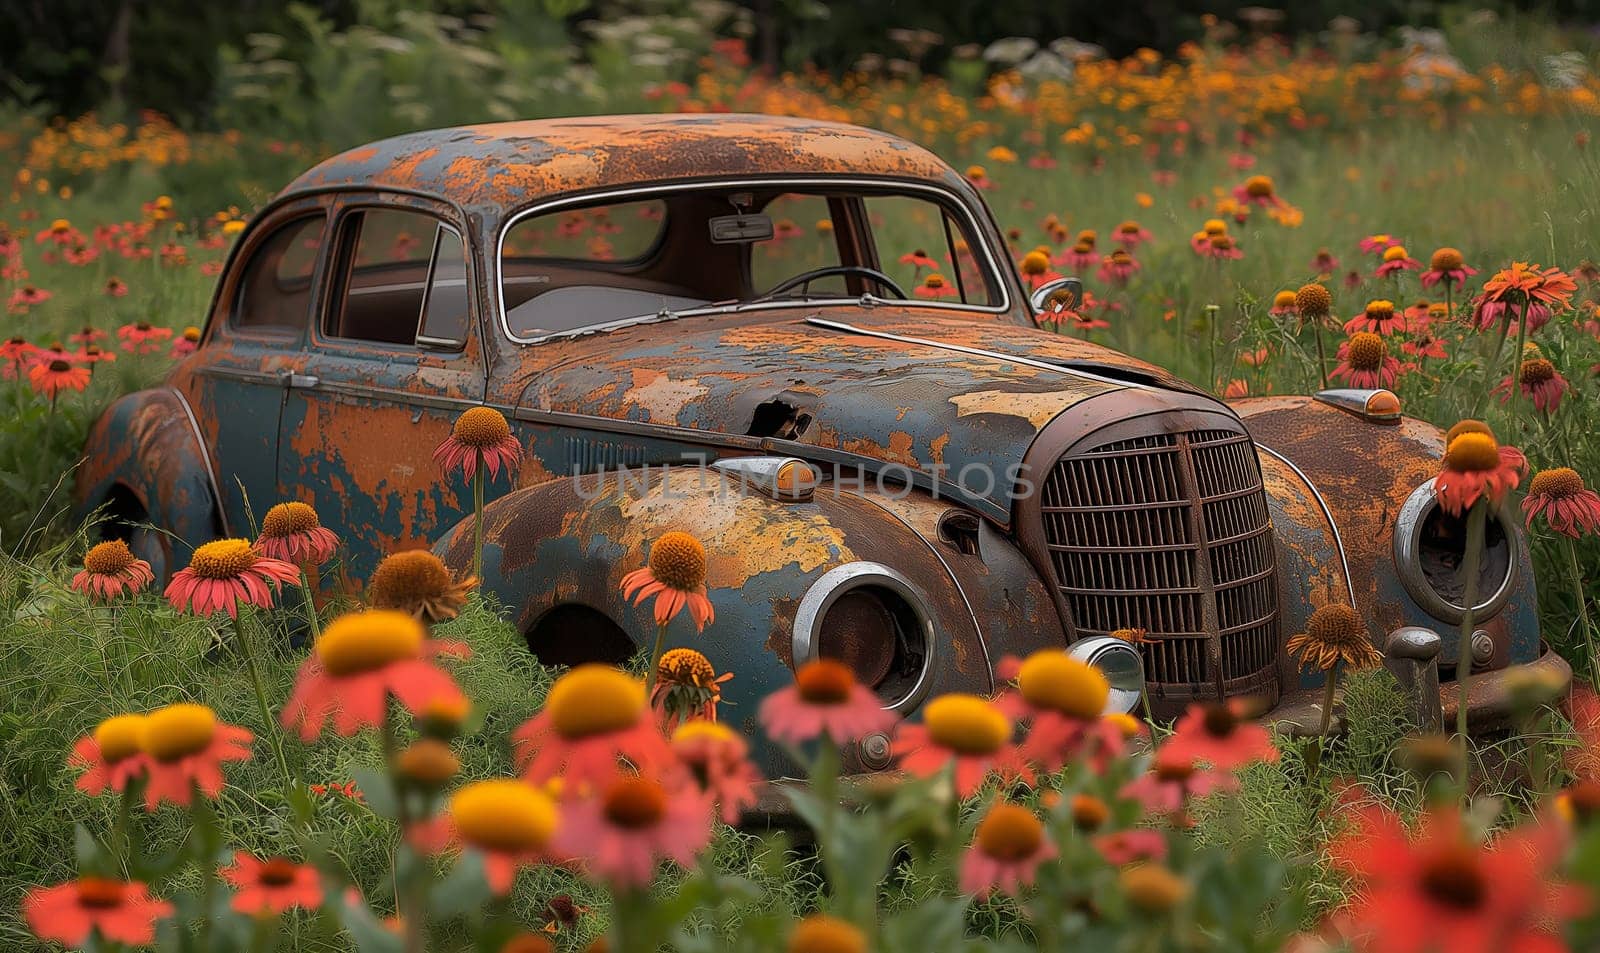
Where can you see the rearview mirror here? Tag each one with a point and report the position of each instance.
(741, 229)
(1062, 294)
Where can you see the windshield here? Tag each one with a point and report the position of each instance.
(587, 266)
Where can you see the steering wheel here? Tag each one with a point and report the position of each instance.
(804, 280)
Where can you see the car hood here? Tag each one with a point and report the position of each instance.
(909, 393)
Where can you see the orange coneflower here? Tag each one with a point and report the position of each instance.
(825, 699)
(686, 686)
(1222, 247)
(293, 533)
(1475, 465)
(26, 297)
(1283, 305)
(1538, 379)
(418, 582)
(1378, 244)
(111, 756)
(110, 569)
(142, 337)
(52, 377)
(115, 911)
(1257, 190)
(1007, 848)
(1118, 267)
(272, 887)
(1130, 235)
(675, 578)
(1524, 282)
(1217, 733)
(969, 735)
(185, 746)
(358, 663)
(718, 758)
(116, 288)
(1365, 361)
(918, 260)
(224, 573)
(625, 828)
(509, 823)
(1379, 317)
(1447, 267)
(89, 335)
(593, 717)
(935, 286)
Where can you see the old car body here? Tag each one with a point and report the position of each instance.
(982, 488)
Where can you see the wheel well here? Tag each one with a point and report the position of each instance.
(572, 634)
(122, 513)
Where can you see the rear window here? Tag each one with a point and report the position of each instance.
(402, 281)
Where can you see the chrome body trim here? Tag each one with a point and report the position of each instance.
(205, 456)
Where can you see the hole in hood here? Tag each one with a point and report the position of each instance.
(778, 418)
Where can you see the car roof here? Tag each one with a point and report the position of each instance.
(511, 164)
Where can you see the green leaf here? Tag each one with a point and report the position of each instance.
(464, 890)
(369, 935)
(378, 790)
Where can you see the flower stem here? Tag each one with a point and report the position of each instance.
(269, 724)
(477, 519)
(1516, 365)
(655, 658)
(308, 588)
(1470, 561)
(1576, 571)
(1322, 353)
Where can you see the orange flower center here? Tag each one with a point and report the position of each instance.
(177, 731)
(685, 667)
(142, 325)
(635, 803)
(1472, 452)
(594, 699)
(191, 334)
(278, 872)
(407, 578)
(1446, 259)
(1366, 351)
(1467, 426)
(286, 519)
(369, 640)
(1258, 186)
(1222, 242)
(119, 737)
(966, 724)
(1313, 300)
(108, 558)
(1128, 228)
(933, 281)
(678, 561)
(1536, 371)
(820, 933)
(1055, 680)
(481, 427)
(1120, 257)
(1335, 625)
(1174, 769)
(100, 892)
(1153, 888)
(1035, 263)
(223, 559)
(1394, 253)
(1453, 877)
(1083, 247)
(1087, 236)
(1009, 832)
(1380, 310)
(1283, 299)
(1215, 226)
(1089, 812)
(825, 682)
(504, 815)
(1558, 482)
(428, 761)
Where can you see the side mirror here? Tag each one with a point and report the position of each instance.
(1062, 294)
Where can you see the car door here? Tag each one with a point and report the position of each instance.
(393, 357)
(254, 340)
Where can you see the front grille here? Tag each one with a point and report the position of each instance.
(1169, 532)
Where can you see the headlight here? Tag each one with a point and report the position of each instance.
(1121, 665)
(1428, 549)
(871, 618)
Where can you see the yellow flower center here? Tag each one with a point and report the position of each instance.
(1394, 253)
(1089, 812)
(119, 736)
(699, 729)
(407, 578)
(1453, 876)
(1153, 888)
(108, 558)
(820, 933)
(1467, 426)
(1035, 263)
(825, 682)
(1055, 680)
(635, 803)
(481, 427)
(933, 281)
(1283, 299)
(1558, 482)
(1472, 452)
(369, 640)
(1082, 247)
(191, 334)
(678, 561)
(594, 699)
(966, 724)
(1258, 186)
(1009, 832)
(1380, 309)
(286, 519)
(223, 559)
(504, 815)
(428, 761)
(685, 667)
(60, 225)
(976, 172)
(1446, 259)
(1366, 351)
(1536, 371)
(177, 731)
(1313, 300)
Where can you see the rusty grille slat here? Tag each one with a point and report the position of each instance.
(1169, 532)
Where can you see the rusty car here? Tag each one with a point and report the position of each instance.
(724, 324)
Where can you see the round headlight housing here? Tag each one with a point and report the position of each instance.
(1429, 545)
(1120, 663)
(874, 620)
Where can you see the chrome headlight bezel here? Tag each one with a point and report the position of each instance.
(1409, 525)
(820, 596)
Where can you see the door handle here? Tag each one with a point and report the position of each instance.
(295, 381)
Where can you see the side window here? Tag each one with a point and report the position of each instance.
(275, 292)
(403, 280)
(802, 240)
(917, 238)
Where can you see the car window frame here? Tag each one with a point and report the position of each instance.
(942, 195)
(352, 203)
(230, 296)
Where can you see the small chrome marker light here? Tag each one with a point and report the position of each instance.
(1122, 666)
(788, 479)
(1377, 405)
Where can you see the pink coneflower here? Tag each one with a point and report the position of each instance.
(224, 573)
(1365, 361)
(1042, 161)
(623, 830)
(934, 286)
(825, 699)
(978, 176)
(969, 735)
(1035, 268)
(1396, 260)
(1378, 244)
(919, 260)
(115, 288)
(1218, 734)
(111, 570)
(1558, 494)
(1139, 844)
(52, 377)
(1080, 257)
(675, 577)
(142, 337)
(1117, 267)
(1379, 317)
(26, 297)
(1130, 236)
(1257, 190)
(719, 760)
(1447, 267)
(1538, 379)
(594, 717)
(480, 436)
(1324, 263)
(1061, 699)
(186, 343)
(111, 756)
(1006, 851)
(1418, 315)
(510, 824)
(89, 335)
(115, 911)
(293, 533)
(1174, 778)
(1425, 345)
(1284, 305)
(1222, 247)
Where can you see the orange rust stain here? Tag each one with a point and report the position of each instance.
(1037, 409)
(899, 449)
(936, 447)
(404, 169)
(661, 396)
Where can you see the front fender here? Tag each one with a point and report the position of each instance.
(1337, 483)
(146, 446)
(570, 541)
